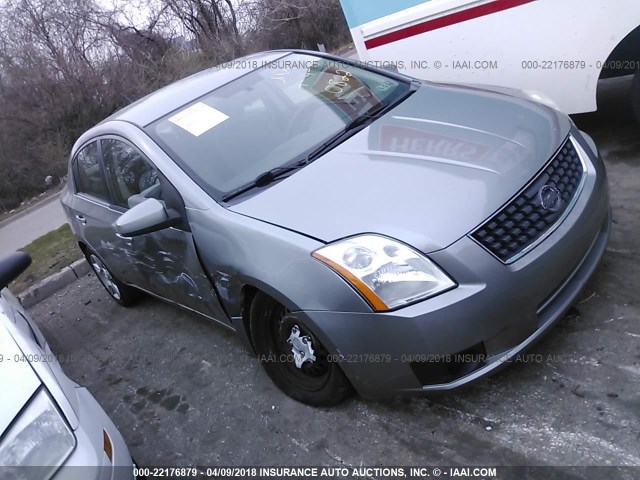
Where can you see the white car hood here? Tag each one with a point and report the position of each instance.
(18, 381)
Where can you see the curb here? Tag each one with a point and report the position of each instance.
(50, 285)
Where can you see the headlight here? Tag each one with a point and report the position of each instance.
(387, 273)
(38, 437)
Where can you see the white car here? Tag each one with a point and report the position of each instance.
(50, 427)
(557, 51)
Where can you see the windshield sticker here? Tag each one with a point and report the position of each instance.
(198, 118)
(344, 91)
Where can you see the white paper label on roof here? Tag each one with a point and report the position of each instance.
(198, 118)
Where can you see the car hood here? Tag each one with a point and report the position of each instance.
(17, 379)
(426, 173)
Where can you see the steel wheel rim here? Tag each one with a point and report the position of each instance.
(311, 377)
(105, 277)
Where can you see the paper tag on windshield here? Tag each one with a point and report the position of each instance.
(198, 118)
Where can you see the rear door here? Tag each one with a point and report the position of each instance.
(165, 262)
(93, 212)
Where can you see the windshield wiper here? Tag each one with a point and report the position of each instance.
(362, 120)
(265, 179)
(274, 174)
(347, 130)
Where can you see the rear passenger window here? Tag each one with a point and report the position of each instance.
(89, 173)
(131, 177)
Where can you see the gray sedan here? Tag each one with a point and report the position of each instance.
(50, 427)
(357, 228)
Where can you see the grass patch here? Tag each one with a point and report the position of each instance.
(49, 254)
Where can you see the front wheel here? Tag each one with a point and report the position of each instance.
(293, 357)
(118, 291)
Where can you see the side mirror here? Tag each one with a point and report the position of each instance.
(12, 266)
(146, 217)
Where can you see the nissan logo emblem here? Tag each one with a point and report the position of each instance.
(550, 198)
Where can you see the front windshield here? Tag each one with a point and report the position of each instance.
(268, 118)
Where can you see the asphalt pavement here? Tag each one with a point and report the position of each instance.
(31, 224)
(183, 390)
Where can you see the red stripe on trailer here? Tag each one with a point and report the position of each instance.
(447, 20)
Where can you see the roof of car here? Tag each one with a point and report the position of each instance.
(175, 95)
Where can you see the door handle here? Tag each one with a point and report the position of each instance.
(81, 219)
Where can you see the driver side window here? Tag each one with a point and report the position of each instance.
(131, 177)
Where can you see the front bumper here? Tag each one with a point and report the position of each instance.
(89, 461)
(497, 311)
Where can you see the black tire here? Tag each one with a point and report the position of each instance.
(119, 292)
(319, 383)
(635, 95)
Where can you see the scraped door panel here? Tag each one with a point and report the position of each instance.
(166, 262)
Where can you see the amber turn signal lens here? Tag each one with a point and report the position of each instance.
(106, 445)
(377, 304)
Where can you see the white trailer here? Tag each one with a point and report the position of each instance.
(555, 49)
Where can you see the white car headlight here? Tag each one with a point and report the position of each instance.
(39, 437)
(387, 273)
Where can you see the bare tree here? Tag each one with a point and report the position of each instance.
(67, 64)
(212, 23)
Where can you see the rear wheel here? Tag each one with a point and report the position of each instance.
(118, 291)
(293, 357)
(635, 95)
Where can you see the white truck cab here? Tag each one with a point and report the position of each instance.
(557, 50)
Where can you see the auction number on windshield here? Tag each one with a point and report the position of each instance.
(338, 82)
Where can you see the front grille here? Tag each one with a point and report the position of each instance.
(520, 224)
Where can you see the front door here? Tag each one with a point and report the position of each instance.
(165, 262)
